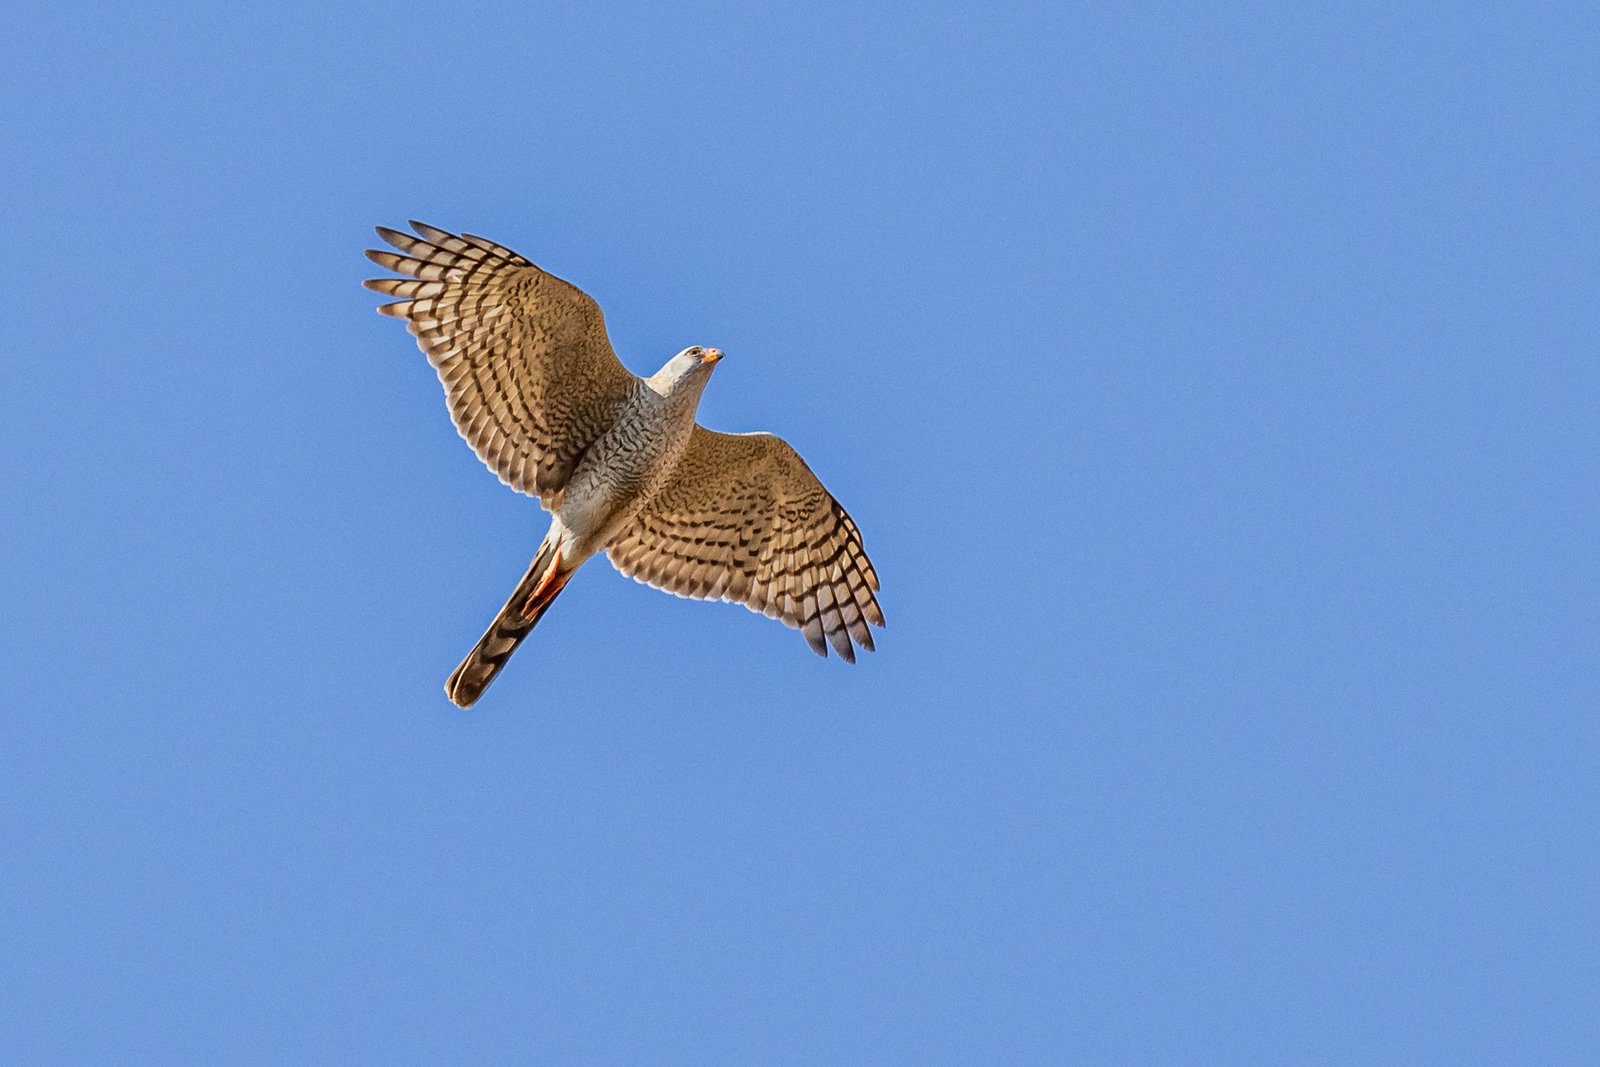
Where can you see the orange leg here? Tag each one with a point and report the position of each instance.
(554, 580)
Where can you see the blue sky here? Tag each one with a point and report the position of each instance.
(1216, 389)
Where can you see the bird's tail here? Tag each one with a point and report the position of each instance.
(533, 596)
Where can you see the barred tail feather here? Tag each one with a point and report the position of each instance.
(526, 606)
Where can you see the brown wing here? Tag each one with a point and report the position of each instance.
(529, 374)
(743, 519)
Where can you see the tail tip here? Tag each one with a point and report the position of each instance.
(461, 695)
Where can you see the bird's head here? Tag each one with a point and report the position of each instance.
(691, 367)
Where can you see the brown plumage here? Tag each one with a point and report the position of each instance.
(534, 387)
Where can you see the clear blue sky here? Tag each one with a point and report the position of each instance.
(1216, 390)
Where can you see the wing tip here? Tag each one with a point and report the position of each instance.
(432, 234)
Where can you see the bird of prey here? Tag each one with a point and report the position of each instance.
(534, 387)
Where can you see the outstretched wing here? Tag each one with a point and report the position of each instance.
(743, 519)
(529, 374)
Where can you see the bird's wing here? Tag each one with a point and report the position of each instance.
(529, 374)
(743, 519)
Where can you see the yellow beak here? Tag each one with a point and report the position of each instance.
(711, 355)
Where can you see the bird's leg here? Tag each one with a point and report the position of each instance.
(554, 580)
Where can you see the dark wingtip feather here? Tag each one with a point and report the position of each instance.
(430, 233)
(394, 237)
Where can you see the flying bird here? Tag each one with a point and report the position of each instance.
(618, 461)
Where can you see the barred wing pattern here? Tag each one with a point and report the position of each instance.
(743, 519)
(529, 373)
